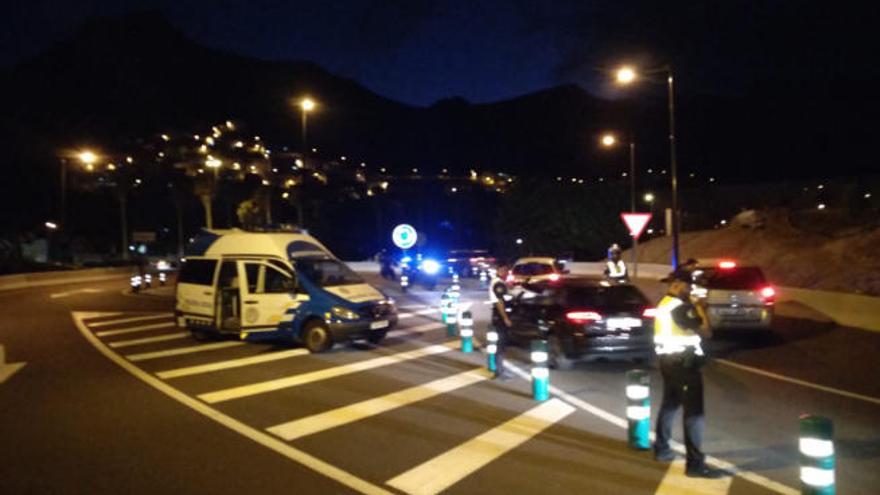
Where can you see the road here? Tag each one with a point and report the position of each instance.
(115, 399)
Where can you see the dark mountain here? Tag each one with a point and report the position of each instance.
(119, 78)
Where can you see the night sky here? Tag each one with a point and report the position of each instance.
(485, 50)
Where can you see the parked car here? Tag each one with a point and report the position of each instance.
(584, 318)
(736, 296)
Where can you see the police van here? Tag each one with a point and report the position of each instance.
(276, 285)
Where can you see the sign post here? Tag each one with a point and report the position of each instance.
(636, 223)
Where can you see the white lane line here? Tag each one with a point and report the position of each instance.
(295, 380)
(264, 439)
(140, 328)
(73, 292)
(678, 447)
(416, 329)
(675, 482)
(149, 340)
(129, 320)
(454, 465)
(232, 363)
(181, 350)
(403, 316)
(310, 425)
(816, 386)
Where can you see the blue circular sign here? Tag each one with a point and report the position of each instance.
(404, 236)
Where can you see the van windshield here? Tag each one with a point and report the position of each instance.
(327, 272)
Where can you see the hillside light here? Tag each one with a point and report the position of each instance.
(165, 137)
(609, 140)
(87, 157)
(519, 241)
(213, 162)
(129, 160)
(649, 197)
(51, 225)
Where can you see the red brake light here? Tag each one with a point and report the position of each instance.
(582, 316)
(649, 313)
(726, 264)
(554, 277)
(768, 292)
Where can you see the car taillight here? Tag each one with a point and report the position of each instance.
(649, 313)
(727, 264)
(582, 316)
(554, 277)
(509, 278)
(768, 294)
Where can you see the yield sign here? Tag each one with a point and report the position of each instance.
(635, 222)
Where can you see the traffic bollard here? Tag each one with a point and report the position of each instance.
(404, 283)
(817, 455)
(455, 279)
(466, 330)
(444, 306)
(162, 278)
(136, 282)
(638, 409)
(540, 372)
(148, 279)
(484, 280)
(491, 350)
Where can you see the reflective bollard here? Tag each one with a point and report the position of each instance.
(638, 409)
(816, 446)
(540, 371)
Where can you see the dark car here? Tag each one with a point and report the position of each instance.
(467, 263)
(584, 318)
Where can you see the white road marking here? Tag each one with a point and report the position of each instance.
(816, 386)
(257, 436)
(130, 320)
(295, 380)
(292, 430)
(675, 482)
(678, 447)
(182, 350)
(416, 329)
(149, 340)
(140, 328)
(231, 363)
(73, 292)
(403, 316)
(454, 465)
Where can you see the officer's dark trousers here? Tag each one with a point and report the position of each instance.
(682, 386)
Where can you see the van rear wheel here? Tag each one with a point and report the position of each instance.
(316, 337)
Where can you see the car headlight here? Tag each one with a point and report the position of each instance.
(430, 267)
(344, 313)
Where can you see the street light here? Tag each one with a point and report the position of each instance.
(306, 105)
(627, 75)
(649, 198)
(609, 140)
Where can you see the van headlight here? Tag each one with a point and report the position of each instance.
(344, 313)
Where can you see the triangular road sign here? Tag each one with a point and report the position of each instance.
(636, 222)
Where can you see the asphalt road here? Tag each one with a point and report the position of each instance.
(113, 400)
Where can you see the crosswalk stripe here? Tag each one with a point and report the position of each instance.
(293, 381)
(675, 482)
(181, 350)
(423, 312)
(141, 328)
(232, 363)
(362, 410)
(416, 329)
(149, 340)
(454, 465)
(130, 319)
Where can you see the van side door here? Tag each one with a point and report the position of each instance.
(270, 297)
(195, 291)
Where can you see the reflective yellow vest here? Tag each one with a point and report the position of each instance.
(669, 337)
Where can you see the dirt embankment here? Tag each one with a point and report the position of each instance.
(847, 260)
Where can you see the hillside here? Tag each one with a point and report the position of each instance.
(846, 260)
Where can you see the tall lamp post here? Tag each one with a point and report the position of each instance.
(628, 75)
(609, 141)
(306, 105)
(88, 159)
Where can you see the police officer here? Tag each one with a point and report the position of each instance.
(499, 297)
(615, 268)
(679, 327)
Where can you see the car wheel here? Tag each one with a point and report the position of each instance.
(316, 337)
(558, 357)
(376, 337)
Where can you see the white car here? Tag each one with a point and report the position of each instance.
(536, 269)
(736, 296)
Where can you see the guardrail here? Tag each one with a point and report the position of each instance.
(41, 279)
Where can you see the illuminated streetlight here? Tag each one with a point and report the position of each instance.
(87, 157)
(625, 75)
(649, 197)
(609, 140)
(519, 242)
(306, 105)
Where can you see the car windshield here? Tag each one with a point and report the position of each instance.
(532, 269)
(326, 272)
(744, 278)
(621, 297)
